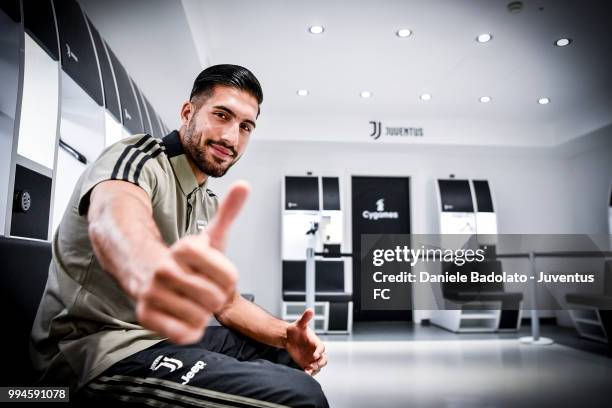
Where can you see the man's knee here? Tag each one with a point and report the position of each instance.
(308, 392)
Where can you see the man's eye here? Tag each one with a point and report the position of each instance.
(246, 128)
(220, 115)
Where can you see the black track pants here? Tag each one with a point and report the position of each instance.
(225, 369)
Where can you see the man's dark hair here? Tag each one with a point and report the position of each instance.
(226, 75)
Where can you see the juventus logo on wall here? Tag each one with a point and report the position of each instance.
(394, 131)
(376, 129)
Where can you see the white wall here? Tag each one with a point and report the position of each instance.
(536, 190)
(590, 169)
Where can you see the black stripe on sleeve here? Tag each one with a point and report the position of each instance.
(142, 162)
(135, 153)
(125, 153)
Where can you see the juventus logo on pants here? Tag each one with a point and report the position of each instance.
(171, 363)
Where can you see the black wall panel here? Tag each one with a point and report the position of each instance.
(129, 107)
(155, 128)
(338, 316)
(39, 22)
(372, 195)
(76, 48)
(329, 276)
(35, 222)
(484, 202)
(12, 9)
(331, 193)
(146, 124)
(456, 196)
(111, 100)
(302, 193)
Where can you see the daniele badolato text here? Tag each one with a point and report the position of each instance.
(459, 257)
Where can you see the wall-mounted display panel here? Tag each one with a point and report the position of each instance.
(39, 22)
(155, 127)
(486, 219)
(111, 99)
(331, 193)
(455, 196)
(456, 207)
(130, 114)
(301, 193)
(76, 48)
(11, 9)
(146, 123)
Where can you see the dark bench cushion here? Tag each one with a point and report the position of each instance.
(24, 268)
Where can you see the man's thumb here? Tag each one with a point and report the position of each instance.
(302, 322)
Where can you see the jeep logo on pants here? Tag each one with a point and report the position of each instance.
(194, 370)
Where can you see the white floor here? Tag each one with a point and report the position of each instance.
(463, 373)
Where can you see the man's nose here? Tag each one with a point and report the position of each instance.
(231, 135)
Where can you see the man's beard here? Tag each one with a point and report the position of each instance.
(197, 154)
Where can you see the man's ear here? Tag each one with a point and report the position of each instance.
(186, 112)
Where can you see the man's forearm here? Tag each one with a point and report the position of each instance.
(254, 322)
(123, 233)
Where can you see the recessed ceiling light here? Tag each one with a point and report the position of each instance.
(302, 92)
(483, 38)
(544, 101)
(403, 32)
(316, 29)
(562, 42)
(485, 99)
(366, 94)
(515, 6)
(425, 97)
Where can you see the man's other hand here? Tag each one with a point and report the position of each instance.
(304, 346)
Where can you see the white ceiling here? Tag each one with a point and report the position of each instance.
(359, 50)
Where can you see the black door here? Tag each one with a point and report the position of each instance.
(371, 195)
